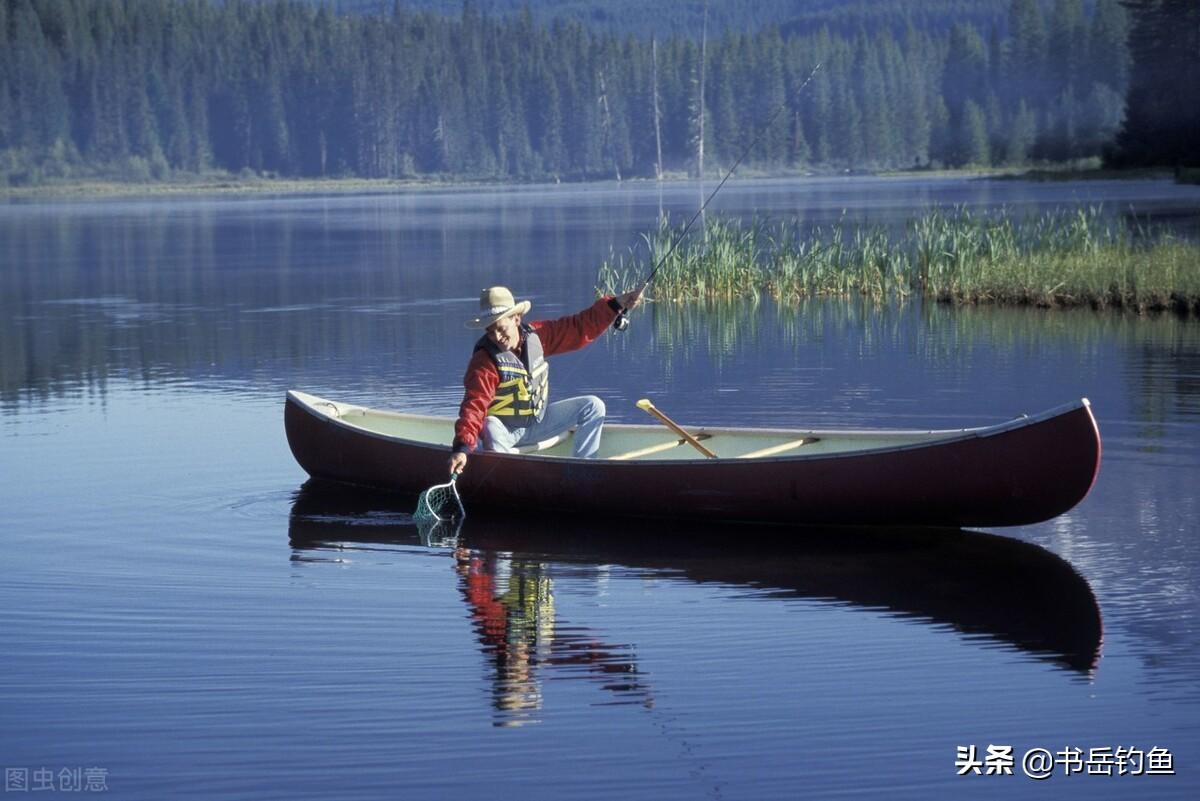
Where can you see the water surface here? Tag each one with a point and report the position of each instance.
(182, 610)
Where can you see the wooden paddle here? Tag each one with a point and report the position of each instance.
(645, 405)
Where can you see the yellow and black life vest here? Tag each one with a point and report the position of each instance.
(524, 380)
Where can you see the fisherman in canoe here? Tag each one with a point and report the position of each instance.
(506, 403)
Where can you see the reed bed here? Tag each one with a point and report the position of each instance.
(1059, 259)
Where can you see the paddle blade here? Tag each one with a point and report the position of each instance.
(645, 405)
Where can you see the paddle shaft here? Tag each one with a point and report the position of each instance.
(671, 424)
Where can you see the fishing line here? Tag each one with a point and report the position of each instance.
(622, 322)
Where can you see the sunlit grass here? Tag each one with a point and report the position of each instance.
(1062, 258)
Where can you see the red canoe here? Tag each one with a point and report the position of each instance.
(1024, 471)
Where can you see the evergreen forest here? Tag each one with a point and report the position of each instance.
(147, 89)
(689, 17)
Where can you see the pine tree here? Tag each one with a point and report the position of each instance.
(550, 124)
(912, 106)
(1162, 121)
(1100, 118)
(1022, 133)
(966, 71)
(1108, 55)
(799, 152)
(176, 128)
(819, 108)
(478, 84)
(200, 154)
(700, 124)
(996, 127)
(772, 97)
(34, 82)
(658, 155)
(877, 112)
(607, 124)
(942, 144)
(850, 134)
(1062, 141)
(1025, 72)
(973, 146)
(724, 110)
(1068, 44)
(516, 150)
(6, 100)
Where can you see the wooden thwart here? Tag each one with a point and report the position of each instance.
(659, 448)
(775, 450)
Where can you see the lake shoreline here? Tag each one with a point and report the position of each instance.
(250, 186)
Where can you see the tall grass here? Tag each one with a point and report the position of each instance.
(1061, 258)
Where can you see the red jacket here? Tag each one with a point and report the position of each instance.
(558, 336)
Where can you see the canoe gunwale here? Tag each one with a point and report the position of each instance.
(935, 437)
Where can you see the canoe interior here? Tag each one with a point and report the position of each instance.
(642, 442)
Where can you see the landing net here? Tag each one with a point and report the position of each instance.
(440, 502)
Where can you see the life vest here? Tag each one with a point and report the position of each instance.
(524, 380)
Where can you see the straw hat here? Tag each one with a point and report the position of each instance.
(496, 303)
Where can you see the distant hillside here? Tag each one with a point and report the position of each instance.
(664, 18)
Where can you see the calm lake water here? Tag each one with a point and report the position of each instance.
(182, 615)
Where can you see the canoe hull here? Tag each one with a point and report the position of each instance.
(1020, 473)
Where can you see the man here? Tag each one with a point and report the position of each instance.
(506, 403)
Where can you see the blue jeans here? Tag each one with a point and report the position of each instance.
(585, 414)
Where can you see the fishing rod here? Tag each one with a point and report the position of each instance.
(622, 321)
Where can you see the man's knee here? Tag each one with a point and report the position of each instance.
(594, 407)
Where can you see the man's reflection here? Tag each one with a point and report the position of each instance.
(512, 608)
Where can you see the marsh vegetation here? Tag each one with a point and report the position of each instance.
(1061, 258)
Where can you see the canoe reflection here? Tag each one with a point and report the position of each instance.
(510, 598)
(986, 586)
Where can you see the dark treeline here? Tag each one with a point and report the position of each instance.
(664, 18)
(141, 89)
(1162, 125)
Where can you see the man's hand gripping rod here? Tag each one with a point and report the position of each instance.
(622, 321)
